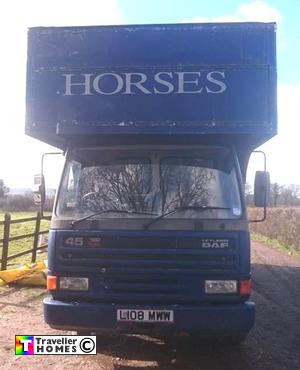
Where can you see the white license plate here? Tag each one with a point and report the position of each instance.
(145, 315)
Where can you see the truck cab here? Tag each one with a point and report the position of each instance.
(149, 232)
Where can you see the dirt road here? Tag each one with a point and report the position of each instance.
(273, 344)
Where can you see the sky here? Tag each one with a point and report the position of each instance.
(20, 155)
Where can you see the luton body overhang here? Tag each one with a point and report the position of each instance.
(210, 82)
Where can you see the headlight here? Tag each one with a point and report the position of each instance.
(73, 283)
(220, 286)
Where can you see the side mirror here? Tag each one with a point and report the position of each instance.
(39, 190)
(261, 189)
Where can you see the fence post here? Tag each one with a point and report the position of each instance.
(36, 236)
(6, 231)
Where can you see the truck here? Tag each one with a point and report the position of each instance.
(149, 232)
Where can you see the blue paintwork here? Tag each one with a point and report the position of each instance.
(137, 275)
(169, 285)
(205, 319)
(108, 255)
(243, 52)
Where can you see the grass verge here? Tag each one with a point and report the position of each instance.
(287, 249)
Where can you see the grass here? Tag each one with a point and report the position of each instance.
(23, 244)
(274, 243)
(282, 225)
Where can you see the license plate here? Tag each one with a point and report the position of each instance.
(145, 315)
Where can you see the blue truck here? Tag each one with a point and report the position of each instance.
(149, 232)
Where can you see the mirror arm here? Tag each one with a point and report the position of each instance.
(263, 217)
(265, 158)
(42, 173)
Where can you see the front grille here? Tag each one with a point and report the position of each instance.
(161, 254)
(149, 269)
(147, 260)
(122, 284)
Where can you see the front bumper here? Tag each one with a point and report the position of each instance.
(221, 319)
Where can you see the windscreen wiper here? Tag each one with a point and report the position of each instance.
(76, 222)
(183, 208)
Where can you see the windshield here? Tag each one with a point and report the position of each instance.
(112, 181)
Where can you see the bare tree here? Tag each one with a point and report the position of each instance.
(290, 195)
(128, 186)
(4, 190)
(248, 194)
(285, 195)
(124, 186)
(184, 185)
(276, 191)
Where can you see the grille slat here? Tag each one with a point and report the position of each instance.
(158, 258)
(150, 264)
(140, 269)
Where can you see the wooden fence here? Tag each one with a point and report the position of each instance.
(7, 238)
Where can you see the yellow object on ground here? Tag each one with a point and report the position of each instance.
(29, 274)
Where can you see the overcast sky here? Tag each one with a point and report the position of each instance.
(20, 155)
